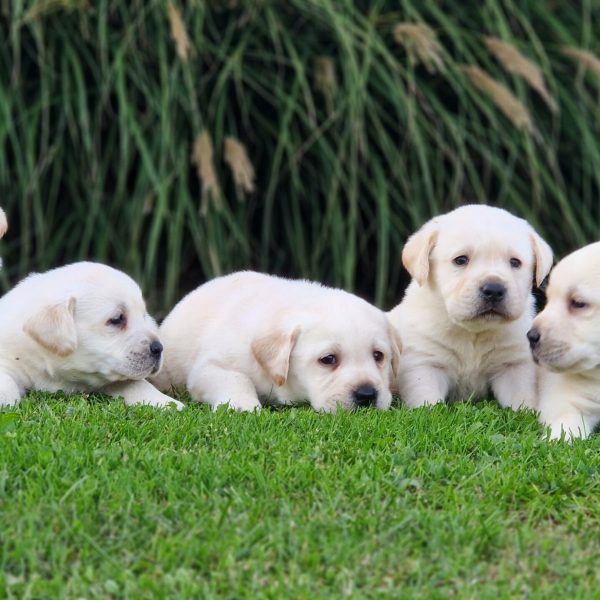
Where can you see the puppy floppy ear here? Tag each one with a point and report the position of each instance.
(396, 351)
(273, 353)
(542, 254)
(53, 327)
(3, 223)
(416, 252)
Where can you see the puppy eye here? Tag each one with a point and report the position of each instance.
(577, 304)
(329, 360)
(378, 356)
(119, 321)
(461, 261)
(515, 263)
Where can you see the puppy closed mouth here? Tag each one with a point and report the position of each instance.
(491, 314)
(549, 357)
(156, 368)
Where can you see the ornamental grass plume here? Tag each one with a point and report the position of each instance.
(516, 63)
(587, 60)
(183, 44)
(421, 45)
(236, 157)
(326, 81)
(502, 97)
(42, 8)
(202, 157)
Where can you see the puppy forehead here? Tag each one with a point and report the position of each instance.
(483, 215)
(111, 294)
(363, 329)
(505, 235)
(578, 272)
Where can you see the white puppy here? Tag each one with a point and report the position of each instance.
(81, 327)
(465, 315)
(565, 338)
(250, 336)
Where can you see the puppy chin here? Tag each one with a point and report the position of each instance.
(481, 317)
(139, 371)
(332, 404)
(561, 361)
(384, 400)
(347, 402)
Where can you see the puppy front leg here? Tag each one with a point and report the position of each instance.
(574, 424)
(215, 386)
(559, 412)
(423, 385)
(141, 392)
(515, 386)
(10, 394)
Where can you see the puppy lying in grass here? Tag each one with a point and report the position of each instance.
(249, 338)
(79, 328)
(565, 341)
(465, 315)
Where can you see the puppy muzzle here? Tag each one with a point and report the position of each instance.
(364, 394)
(492, 301)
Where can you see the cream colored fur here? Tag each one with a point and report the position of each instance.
(455, 345)
(568, 349)
(250, 338)
(56, 334)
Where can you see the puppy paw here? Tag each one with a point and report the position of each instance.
(240, 404)
(421, 402)
(561, 430)
(8, 402)
(165, 403)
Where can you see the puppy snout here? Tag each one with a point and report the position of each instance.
(156, 348)
(493, 292)
(365, 395)
(534, 335)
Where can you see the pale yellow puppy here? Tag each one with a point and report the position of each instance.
(250, 338)
(565, 341)
(79, 328)
(464, 317)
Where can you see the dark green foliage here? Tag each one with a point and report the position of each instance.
(98, 115)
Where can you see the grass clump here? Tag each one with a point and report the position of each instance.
(100, 500)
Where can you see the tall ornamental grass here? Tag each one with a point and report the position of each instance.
(180, 140)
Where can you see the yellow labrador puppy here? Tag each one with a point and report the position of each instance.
(79, 328)
(565, 339)
(250, 337)
(465, 315)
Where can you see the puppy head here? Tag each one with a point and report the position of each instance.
(565, 336)
(97, 329)
(481, 261)
(344, 355)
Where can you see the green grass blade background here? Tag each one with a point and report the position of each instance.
(98, 116)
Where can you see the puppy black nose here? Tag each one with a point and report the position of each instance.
(493, 292)
(156, 348)
(365, 395)
(533, 335)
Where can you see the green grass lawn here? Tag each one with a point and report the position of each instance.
(102, 501)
